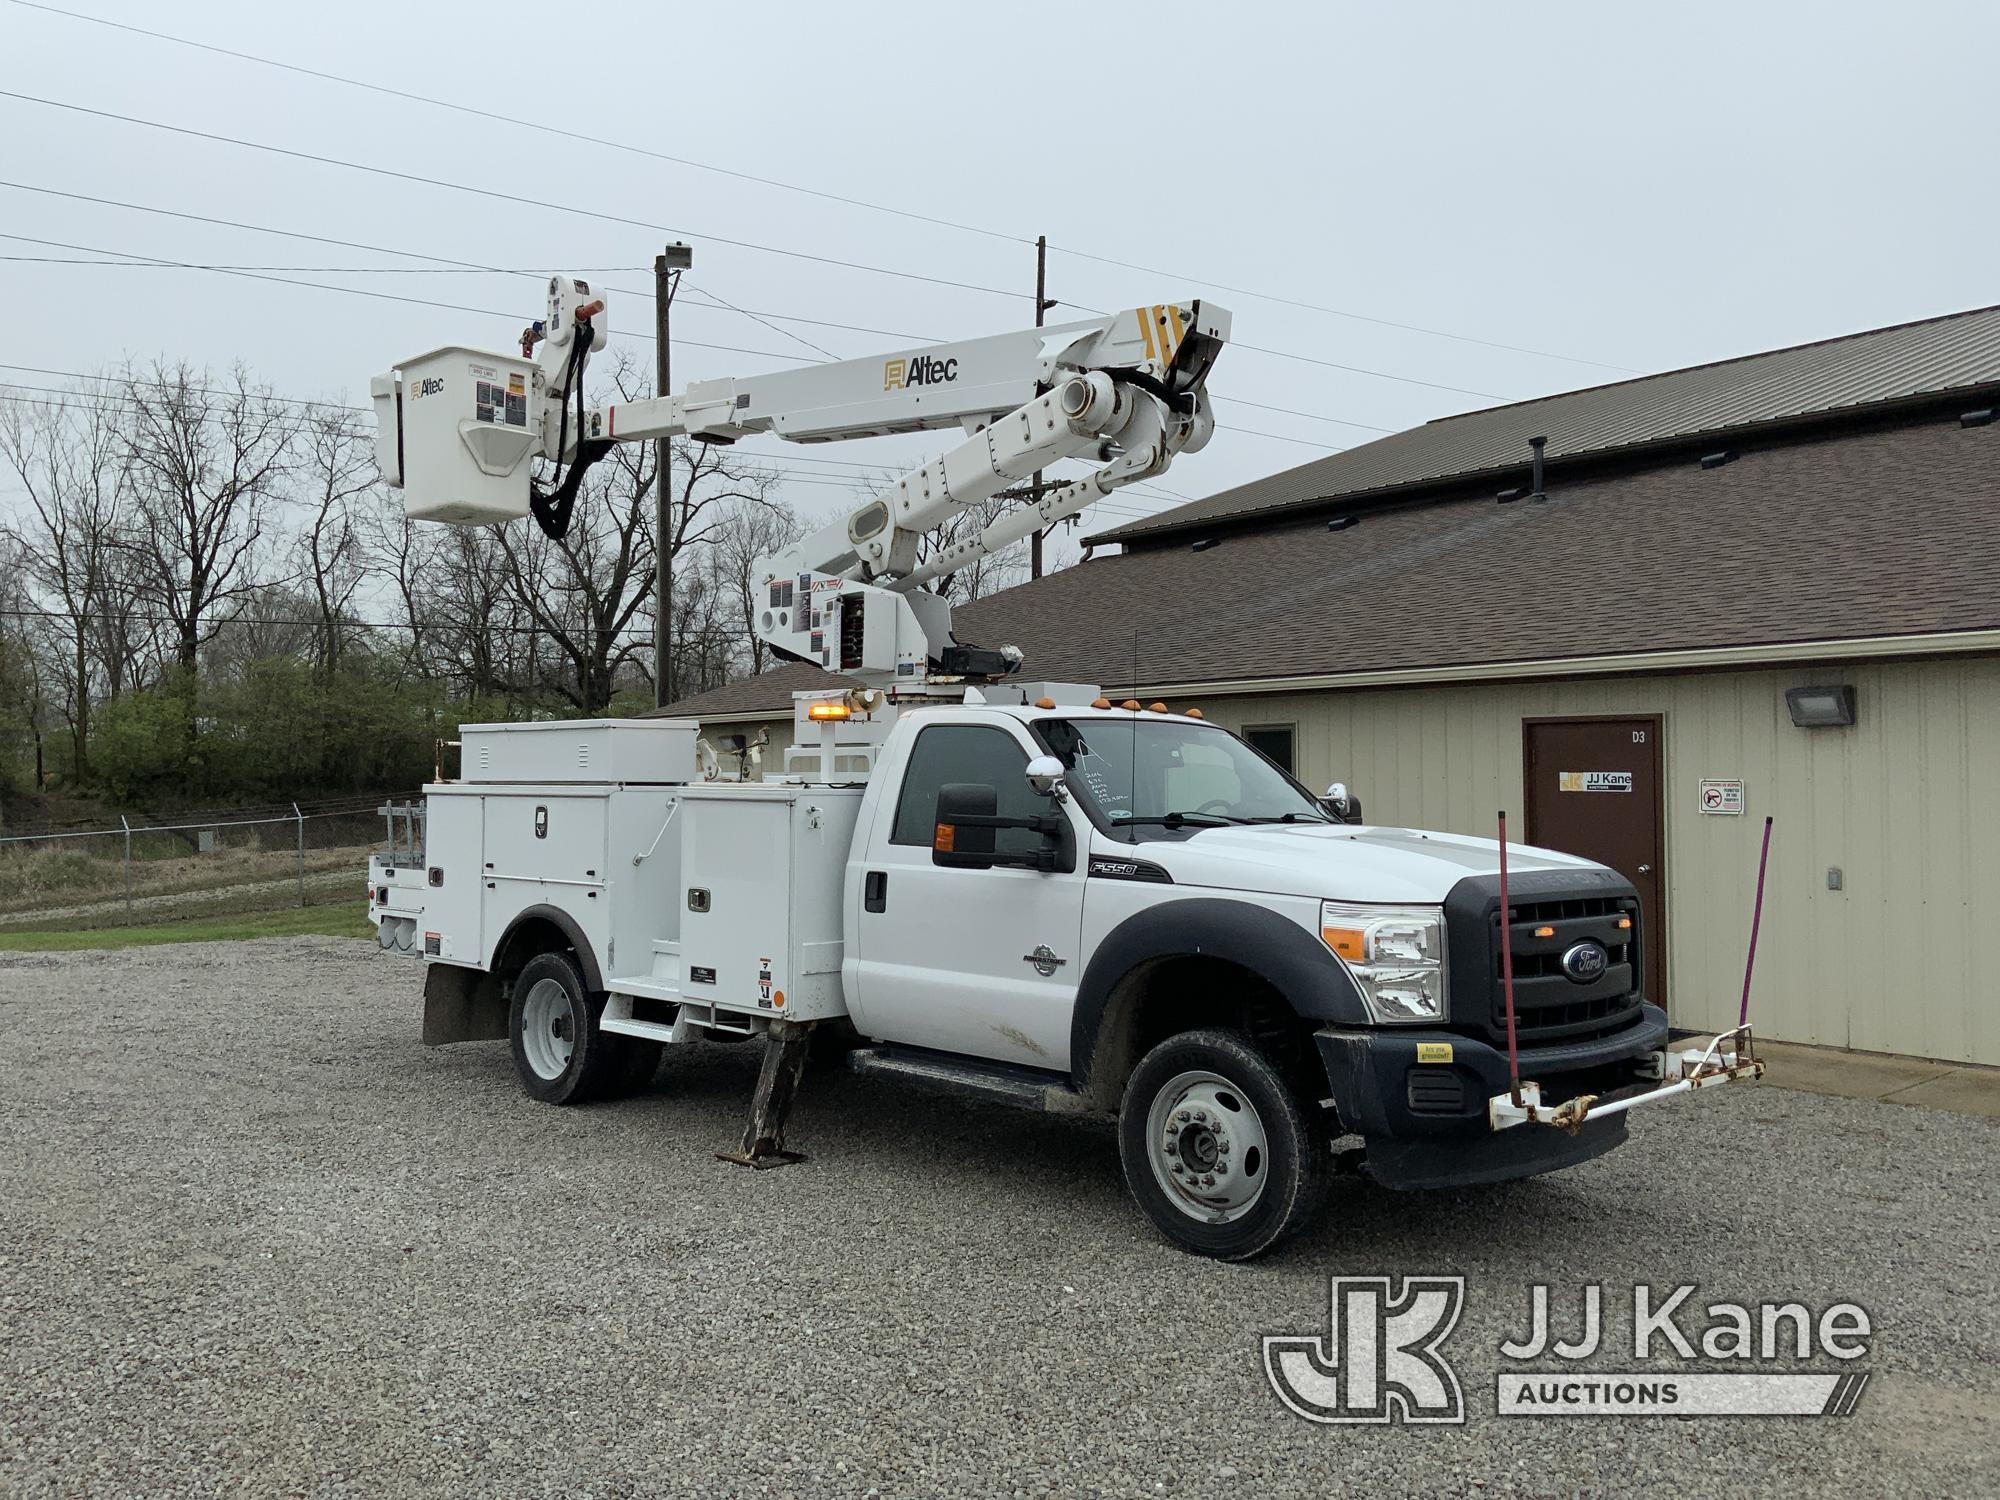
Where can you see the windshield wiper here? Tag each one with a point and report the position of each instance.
(1291, 817)
(1181, 820)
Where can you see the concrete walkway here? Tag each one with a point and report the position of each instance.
(1959, 1087)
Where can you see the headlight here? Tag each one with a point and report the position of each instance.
(1396, 955)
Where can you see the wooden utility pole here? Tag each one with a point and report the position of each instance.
(667, 269)
(1042, 305)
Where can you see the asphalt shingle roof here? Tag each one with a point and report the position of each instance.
(1892, 531)
(1881, 367)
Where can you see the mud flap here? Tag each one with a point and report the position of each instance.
(462, 1005)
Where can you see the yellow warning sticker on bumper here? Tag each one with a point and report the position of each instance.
(1433, 1052)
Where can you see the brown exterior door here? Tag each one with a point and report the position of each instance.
(1595, 790)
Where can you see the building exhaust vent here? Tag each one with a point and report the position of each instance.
(1205, 543)
(1539, 494)
(1717, 460)
(1981, 418)
(1341, 523)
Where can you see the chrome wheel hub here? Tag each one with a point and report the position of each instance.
(1207, 1147)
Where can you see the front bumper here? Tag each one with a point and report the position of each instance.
(1435, 1107)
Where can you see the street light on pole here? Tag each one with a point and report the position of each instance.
(668, 267)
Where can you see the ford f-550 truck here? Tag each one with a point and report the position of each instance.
(1010, 888)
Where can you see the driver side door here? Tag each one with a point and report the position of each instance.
(979, 962)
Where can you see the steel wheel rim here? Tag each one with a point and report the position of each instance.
(546, 1029)
(1207, 1147)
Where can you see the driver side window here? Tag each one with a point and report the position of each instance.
(949, 753)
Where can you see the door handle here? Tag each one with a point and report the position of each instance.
(875, 891)
(1645, 869)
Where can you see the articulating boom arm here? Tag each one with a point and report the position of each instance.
(457, 426)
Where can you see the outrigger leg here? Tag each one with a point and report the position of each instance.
(777, 1085)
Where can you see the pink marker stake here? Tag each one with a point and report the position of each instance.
(1756, 918)
(1507, 965)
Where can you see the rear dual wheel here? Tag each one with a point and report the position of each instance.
(561, 1052)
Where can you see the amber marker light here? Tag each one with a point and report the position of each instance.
(826, 711)
(1351, 943)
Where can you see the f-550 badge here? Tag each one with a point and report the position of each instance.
(1044, 959)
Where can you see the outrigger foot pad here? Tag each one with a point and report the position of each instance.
(777, 1085)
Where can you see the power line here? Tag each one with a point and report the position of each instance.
(511, 120)
(65, 260)
(1337, 312)
(504, 197)
(1307, 359)
(445, 262)
(54, 397)
(591, 140)
(1310, 416)
(308, 622)
(358, 291)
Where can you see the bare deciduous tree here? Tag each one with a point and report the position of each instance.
(750, 533)
(70, 460)
(711, 483)
(336, 471)
(205, 464)
(591, 593)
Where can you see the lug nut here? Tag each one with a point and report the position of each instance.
(1182, 1116)
(1172, 1149)
(1208, 1182)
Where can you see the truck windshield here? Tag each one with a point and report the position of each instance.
(1174, 774)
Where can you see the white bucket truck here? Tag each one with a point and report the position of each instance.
(1016, 889)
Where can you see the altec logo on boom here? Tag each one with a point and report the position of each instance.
(921, 369)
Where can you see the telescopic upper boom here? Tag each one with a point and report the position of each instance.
(457, 429)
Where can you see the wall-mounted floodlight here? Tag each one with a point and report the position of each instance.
(1821, 707)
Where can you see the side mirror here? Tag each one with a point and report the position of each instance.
(1045, 775)
(1340, 804)
(962, 837)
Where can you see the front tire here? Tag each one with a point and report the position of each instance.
(1217, 1148)
(562, 1055)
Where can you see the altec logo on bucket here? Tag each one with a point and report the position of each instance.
(1382, 1361)
(921, 369)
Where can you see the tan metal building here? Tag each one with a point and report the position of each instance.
(1769, 587)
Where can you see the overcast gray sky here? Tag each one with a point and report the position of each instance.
(1640, 187)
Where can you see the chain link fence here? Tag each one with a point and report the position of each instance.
(197, 865)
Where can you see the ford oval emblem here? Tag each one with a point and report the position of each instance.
(1585, 962)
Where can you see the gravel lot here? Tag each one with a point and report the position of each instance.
(257, 1239)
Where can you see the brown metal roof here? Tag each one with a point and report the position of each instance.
(1852, 534)
(1881, 367)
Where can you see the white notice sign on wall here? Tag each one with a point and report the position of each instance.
(1724, 798)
